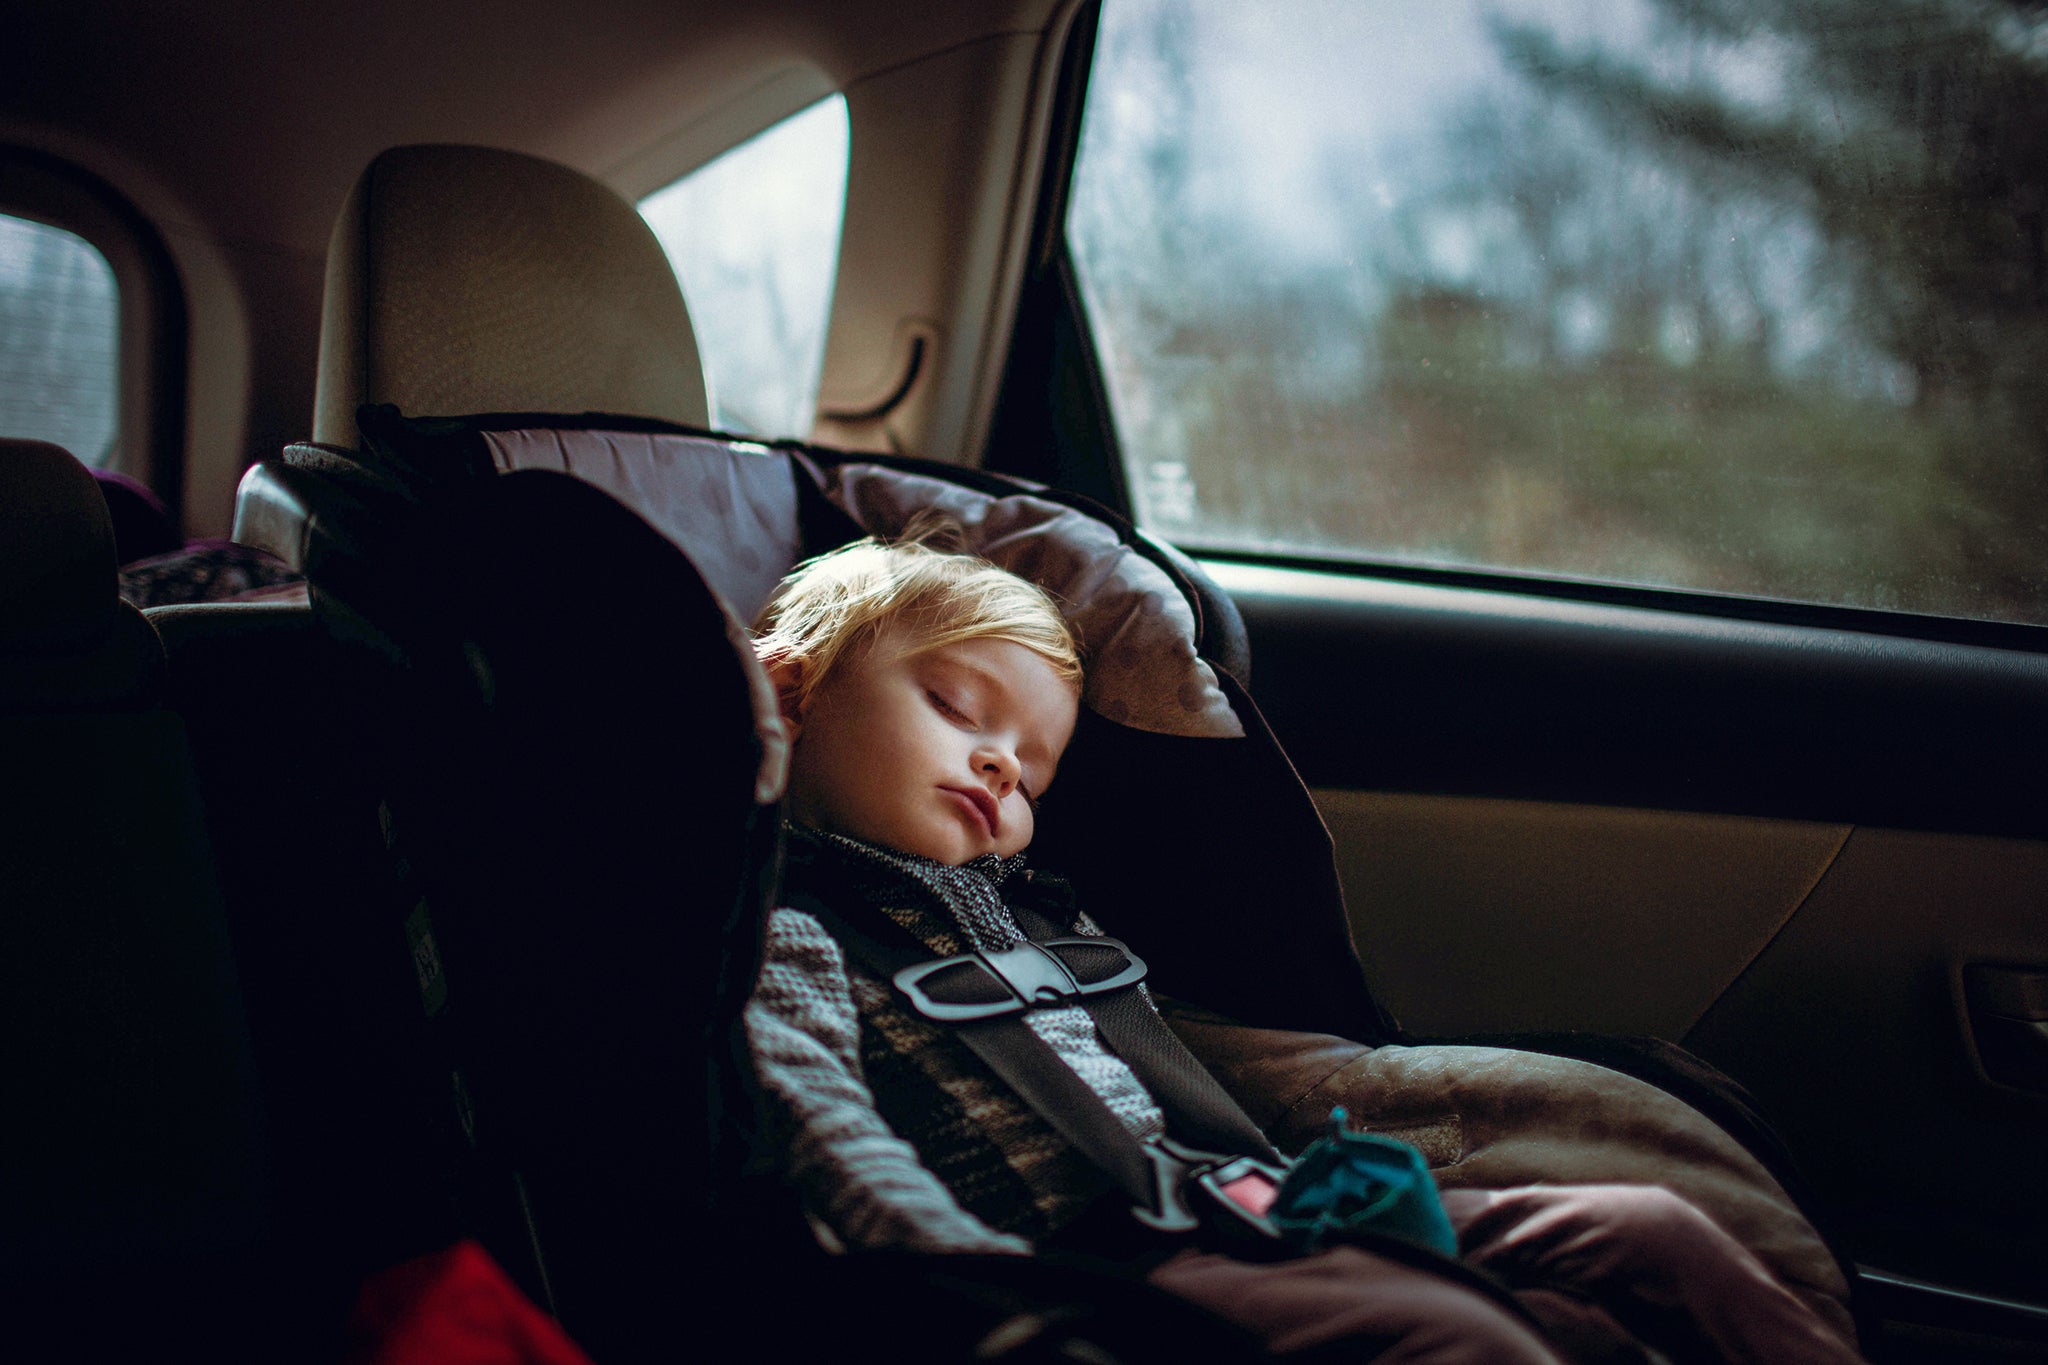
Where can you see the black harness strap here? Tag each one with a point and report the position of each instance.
(1024, 1061)
(1197, 1109)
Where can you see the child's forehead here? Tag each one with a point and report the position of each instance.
(987, 656)
(956, 654)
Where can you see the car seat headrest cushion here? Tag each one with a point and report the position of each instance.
(737, 509)
(1137, 631)
(56, 548)
(732, 507)
(67, 640)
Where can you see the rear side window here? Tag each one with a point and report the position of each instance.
(1747, 298)
(754, 239)
(59, 340)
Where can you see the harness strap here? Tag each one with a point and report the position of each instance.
(1197, 1108)
(1025, 1061)
(1211, 1126)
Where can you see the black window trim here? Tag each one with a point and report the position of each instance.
(1959, 630)
(1052, 421)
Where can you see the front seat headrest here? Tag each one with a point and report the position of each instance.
(57, 578)
(468, 279)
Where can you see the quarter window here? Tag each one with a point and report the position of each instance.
(754, 239)
(59, 340)
(1741, 299)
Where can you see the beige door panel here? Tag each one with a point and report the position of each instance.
(1850, 1031)
(1478, 916)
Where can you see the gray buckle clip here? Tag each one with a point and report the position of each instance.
(1031, 975)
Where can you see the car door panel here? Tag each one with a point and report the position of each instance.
(1779, 845)
(1379, 684)
(1850, 1030)
(1487, 916)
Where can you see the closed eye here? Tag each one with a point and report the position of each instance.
(946, 708)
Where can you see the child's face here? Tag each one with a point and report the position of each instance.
(937, 752)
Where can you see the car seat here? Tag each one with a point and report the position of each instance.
(519, 576)
(559, 1157)
(134, 1160)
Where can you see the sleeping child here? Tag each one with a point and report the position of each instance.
(929, 696)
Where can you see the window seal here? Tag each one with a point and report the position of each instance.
(1954, 630)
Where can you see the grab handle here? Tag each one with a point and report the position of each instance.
(2008, 1009)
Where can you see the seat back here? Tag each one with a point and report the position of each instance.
(461, 277)
(133, 1162)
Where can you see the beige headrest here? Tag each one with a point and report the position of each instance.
(466, 280)
(57, 572)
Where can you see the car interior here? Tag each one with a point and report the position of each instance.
(1592, 453)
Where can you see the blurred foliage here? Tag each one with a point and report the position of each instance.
(1914, 137)
(1754, 306)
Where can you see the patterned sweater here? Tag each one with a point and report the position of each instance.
(965, 1166)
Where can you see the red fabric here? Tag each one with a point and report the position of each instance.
(455, 1307)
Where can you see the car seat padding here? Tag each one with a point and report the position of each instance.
(1493, 1118)
(739, 517)
(730, 505)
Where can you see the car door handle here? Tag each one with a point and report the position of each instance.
(2008, 1010)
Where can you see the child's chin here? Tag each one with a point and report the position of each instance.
(939, 847)
(951, 852)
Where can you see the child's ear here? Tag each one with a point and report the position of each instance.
(788, 674)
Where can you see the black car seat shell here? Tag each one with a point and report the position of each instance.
(280, 760)
(580, 856)
(458, 276)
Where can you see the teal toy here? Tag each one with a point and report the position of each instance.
(1350, 1182)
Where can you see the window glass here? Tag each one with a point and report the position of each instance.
(1738, 297)
(59, 340)
(754, 238)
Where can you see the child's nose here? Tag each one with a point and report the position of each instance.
(1000, 766)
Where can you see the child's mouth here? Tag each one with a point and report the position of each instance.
(981, 803)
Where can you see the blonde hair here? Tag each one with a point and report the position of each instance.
(835, 606)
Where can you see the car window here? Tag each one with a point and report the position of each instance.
(59, 340)
(1741, 298)
(754, 238)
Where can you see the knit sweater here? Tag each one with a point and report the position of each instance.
(965, 1166)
